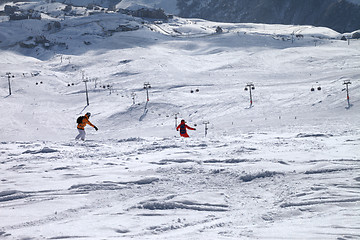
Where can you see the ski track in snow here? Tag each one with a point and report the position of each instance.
(129, 179)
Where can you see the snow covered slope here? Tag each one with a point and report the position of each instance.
(284, 168)
(169, 6)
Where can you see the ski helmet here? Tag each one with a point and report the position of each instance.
(88, 114)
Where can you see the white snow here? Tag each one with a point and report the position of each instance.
(285, 168)
(169, 6)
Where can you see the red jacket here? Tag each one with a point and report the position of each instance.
(183, 127)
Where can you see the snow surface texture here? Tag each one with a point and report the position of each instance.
(285, 168)
(169, 6)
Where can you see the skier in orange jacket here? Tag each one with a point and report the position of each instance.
(81, 126)
(182, 126)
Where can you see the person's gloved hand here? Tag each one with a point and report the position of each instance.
(96, 128)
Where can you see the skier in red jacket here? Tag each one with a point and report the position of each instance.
(182, 126)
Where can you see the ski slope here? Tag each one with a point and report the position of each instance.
(285, 168)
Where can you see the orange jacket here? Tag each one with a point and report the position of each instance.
(84, 122)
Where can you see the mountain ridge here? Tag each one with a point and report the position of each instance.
(341, 16)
